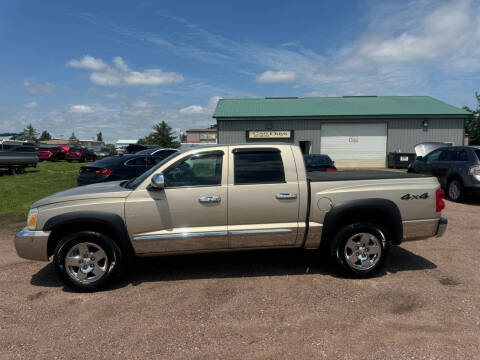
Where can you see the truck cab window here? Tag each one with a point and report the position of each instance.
(258, 167)
(196, 170)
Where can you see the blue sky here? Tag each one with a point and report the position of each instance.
(121, 66)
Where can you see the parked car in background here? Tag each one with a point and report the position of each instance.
(319, 162)
(80, 154)
(103, 152)
(114, 168)
(158, 151)
(457, 168)
(54, 153)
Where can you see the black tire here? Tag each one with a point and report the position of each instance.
(20, 170)
(11, 171)
(113, 263)
(455, 190)
(338, 249)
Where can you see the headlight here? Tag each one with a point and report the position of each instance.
(32, 219)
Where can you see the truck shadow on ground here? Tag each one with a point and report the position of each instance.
(238, 264)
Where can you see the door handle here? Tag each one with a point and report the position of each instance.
(210, 199)
(286, 196)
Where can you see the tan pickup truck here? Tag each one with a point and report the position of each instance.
(226, 198)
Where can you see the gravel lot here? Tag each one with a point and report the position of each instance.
(265, 305)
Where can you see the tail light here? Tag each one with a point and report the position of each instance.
(474, 170)
(103, 172)
(440, 194)
(331, 169)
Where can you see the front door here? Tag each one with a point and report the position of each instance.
(190, 214)
(263, 197)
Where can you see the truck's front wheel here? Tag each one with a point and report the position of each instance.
(360, 249)
(87, 261)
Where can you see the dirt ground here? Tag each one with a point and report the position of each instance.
(256, 305)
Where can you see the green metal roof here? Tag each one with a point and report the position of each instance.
(347, 106)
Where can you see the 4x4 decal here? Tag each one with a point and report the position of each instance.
(414, 197)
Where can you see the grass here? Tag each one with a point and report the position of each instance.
(18, 192)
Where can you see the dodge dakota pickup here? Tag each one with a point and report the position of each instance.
(227, 198)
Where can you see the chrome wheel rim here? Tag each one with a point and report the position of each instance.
(454, 190)
(86, 262)
(363, 251)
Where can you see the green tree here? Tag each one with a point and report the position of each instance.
(73, 140)
(99, 136)
(472, 124)
(30, 134)
(161, 135)
(45, 136)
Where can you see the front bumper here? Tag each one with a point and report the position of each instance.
(442, 227)
(32, 245)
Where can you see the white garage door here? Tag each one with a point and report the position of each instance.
(355, 145)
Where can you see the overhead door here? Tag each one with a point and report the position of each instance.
(355, 145)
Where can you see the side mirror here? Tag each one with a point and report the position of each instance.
(420, 158)
(157, 182)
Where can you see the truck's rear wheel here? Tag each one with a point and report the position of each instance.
(360, 249)
(87, 261)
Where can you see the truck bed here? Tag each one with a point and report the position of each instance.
(348, 175)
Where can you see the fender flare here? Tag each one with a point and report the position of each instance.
(340, 212)
(113, 221)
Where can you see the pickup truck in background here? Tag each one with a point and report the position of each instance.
(16, 156)
(228, 198)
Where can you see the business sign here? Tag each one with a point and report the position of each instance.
(269, 134)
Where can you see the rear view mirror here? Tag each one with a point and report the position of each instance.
(157, 182)
(420, 158)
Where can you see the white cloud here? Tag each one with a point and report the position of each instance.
(38, 88)
(212, 102)
(200, 110)
(152, 77)
(81, 109)
(31, 105)
(107, 78)
(121, 74)
(120, 63)
(281, 76)
(193, 110)
(88, 62)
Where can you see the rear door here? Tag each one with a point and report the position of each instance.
(263, 197)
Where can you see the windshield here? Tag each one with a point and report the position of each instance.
(132, 184)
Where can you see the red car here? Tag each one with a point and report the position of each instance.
(51, 154)
(80, 154)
